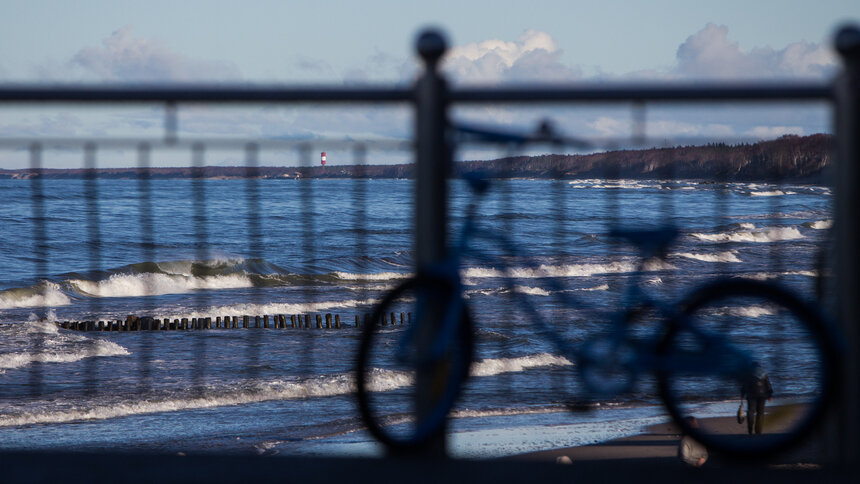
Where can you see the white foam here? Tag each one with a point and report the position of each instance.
(602, 287)
(154, 284)
(277, 308)
(90, 349)
(773, 234)
(275, 390)
(378, 276)
(771, 193)
(727, 256)
(45, 294)
(821, 224)
(618, 184)
(754, 311)
(496, 366)
(532, 291)
(763, 276)
(566, 270)
(321, 386)
(504, 412)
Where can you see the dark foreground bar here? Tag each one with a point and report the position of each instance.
(165, 469)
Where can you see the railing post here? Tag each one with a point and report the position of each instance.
(432, 165)
(847, 227)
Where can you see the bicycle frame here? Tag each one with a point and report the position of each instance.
(635, 299)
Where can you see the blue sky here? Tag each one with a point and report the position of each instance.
(337, 42)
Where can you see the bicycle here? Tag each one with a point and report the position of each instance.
(699, 362)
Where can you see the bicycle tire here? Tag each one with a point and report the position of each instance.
(373, 414)
(813, 373)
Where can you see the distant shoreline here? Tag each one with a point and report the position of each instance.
(799, 159)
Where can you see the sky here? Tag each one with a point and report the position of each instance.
(372, 41)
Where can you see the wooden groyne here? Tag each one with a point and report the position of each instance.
(276, 321)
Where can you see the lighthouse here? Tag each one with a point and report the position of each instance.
(322, 158)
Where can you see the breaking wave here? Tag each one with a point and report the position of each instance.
(820, 224)
(727, 256)
(497, 366)
(55, 346)
(755, 311)
(771, 193)
(772, 234)
(44, 294)
(565, 270)
(154, 284)
(379, 276)
(320, 386)
(763, 276)
(89, 349)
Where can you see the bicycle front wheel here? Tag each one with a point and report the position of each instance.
(750, 343)
(392, 353)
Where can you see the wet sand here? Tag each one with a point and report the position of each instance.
(659, 443)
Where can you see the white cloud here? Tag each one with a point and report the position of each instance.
(768, 132)
(709, 53)
(534, 57)
(128, 58)
(607, 126)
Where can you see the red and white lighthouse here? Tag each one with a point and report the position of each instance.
(322, 158)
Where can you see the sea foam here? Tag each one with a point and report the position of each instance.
(322, 386)
(154, 284)
(773, 234)
(44, 294)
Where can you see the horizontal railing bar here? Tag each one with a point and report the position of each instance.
(640, 92)
(570, 145)
(198, 94)
(212, 143)
(770, 91)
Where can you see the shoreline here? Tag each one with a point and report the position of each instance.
(659, 443)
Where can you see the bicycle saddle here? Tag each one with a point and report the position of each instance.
(649, 241)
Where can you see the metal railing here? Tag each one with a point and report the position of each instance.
(431, 100)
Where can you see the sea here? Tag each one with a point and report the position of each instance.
(181, 248)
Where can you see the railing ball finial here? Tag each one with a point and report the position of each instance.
(848, 41)
(431, 44)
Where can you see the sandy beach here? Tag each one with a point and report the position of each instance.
(659, 444)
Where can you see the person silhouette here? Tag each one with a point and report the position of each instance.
(757, 390)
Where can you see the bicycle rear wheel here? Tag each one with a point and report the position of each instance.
(728, 334)
(389, 357)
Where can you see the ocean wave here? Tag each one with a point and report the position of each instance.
(602, 287)
(820, 224)
(89, 349)
(278, 308)
(620, 184)
(772, 234)
(497, 366)
(504, 412)
(44, 294)
(532, 291)
(727, 256)
(378, 276)
(763, 276)
(771, 193)
(754, 311)
(154, 284)
(565, 270)
(322, 386)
